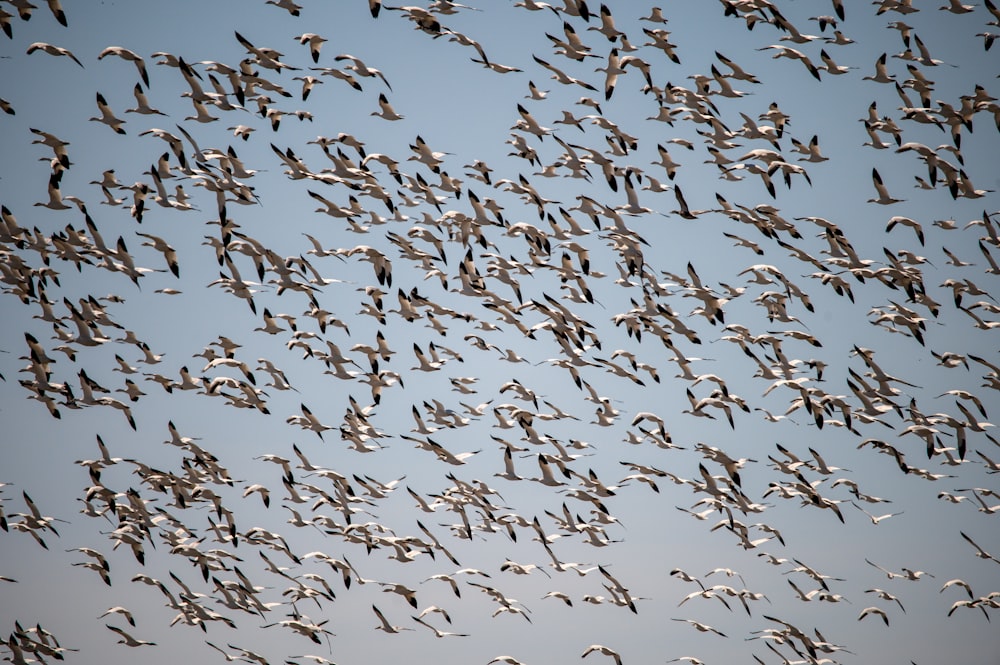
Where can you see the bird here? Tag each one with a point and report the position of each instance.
(793, 54)
(701, 627)
(521, 569)
(55, 195)
(881, 73)
(876, 611)
(960, 583)
(404, 591)
(906, 221)
(289, 6)
(905, 574)
(885, 595)
(127, 639)
(128, 55)
(738, 72)
(831, 66)
(119, 610)
(561, 596)
(52, 49)
(107, 116)
(315, 43)
(956, 7)
(386, 112)
(160, 245)
(437, 632)
(384, 625)
(142, 103)
(561, 76)
(600, 648)
(361, 69)
(876, 519)
(811, 151)
(308, 421)
(880, 189)
(980, 552)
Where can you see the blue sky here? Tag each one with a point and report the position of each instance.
(470, 113)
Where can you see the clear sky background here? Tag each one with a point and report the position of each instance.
(806, 232)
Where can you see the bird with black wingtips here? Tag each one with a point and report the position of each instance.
(130, 56)
(127, 639)
(52, 49)
(107, 116)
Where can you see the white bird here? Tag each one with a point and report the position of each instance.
(831, 66)
(906, 221)
(130, 56)
(655, 16)
(811, 151)
(289, 6)
(907, 573)
(881, 73)
(308, 421)
(386, 112)
(160, 245)
(119, 610)
(956, 7)
(883, 193)
(793, 54)
(561, 76)
(701, 627)
(52, 50)
(874, 610)
(960, 583)
(607, 651)
(529, 124)
(980, 552)
(127, 639)
(315, 43)
(521, 568)
(737, 71)
(437, 632)
(876, 518)
(385, 625)
(142, 105)
(361, 69)
(55, 201)
(107, 116)
(885, 595)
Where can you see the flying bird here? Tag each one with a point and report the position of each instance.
(128, 640)
(129, 56)
(880, 189)
(52, 49)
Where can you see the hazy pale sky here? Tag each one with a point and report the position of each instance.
(665, 333)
